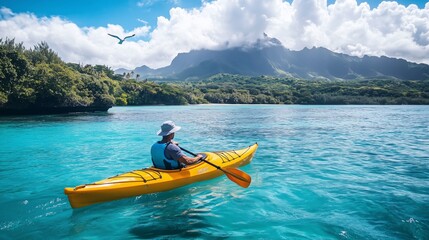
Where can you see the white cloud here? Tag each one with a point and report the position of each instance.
(6, 12)
(74, 44)
(149, 3)
(145, 3)
(142, 21)
(348, 27)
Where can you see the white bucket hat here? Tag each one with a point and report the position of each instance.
(167, 128)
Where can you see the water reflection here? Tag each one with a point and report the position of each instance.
(186, 213)
(172, 222)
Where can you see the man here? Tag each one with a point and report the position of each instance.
(165, 153)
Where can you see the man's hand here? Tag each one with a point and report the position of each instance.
(175, 143)
(188, 160)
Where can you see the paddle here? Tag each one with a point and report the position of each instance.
(239, 177)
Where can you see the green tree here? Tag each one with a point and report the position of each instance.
(43, 54)
(13, 66)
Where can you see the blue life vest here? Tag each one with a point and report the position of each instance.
(159, 159)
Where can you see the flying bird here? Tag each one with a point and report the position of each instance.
(121, 40)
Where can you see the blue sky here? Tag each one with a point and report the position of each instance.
(126, 13)
(100, 13)
(78, 30)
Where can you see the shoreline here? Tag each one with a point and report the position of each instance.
(49, 111)
(67, 110)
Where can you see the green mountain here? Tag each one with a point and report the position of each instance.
(268, 57)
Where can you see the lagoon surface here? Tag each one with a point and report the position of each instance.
(321, 172)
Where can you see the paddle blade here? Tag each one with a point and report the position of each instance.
(241, 178)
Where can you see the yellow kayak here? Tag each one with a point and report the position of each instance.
(150, 180)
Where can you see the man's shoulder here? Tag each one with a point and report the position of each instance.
(173, 151)
(173, 147)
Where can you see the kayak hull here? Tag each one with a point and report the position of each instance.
(151, 180)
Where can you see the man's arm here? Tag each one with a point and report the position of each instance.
(178, 155)
(188, 160)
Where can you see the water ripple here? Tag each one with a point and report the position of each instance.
(321, 172)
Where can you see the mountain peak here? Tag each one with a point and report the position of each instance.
(267, 56)
(144, 68)
(267, 41)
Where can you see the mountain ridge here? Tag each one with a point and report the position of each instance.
(269, 57)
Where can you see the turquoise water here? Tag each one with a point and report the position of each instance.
(321, 172)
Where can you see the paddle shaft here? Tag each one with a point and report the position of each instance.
(216, 166)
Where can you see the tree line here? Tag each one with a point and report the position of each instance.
(37, 78)
(226, 88)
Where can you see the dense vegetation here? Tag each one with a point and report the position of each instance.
(224, 88)
(39, 79)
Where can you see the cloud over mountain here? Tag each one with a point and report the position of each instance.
(390, 29)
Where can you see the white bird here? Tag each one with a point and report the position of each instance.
(121, 40)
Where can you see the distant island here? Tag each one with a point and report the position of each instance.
(37, 81)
